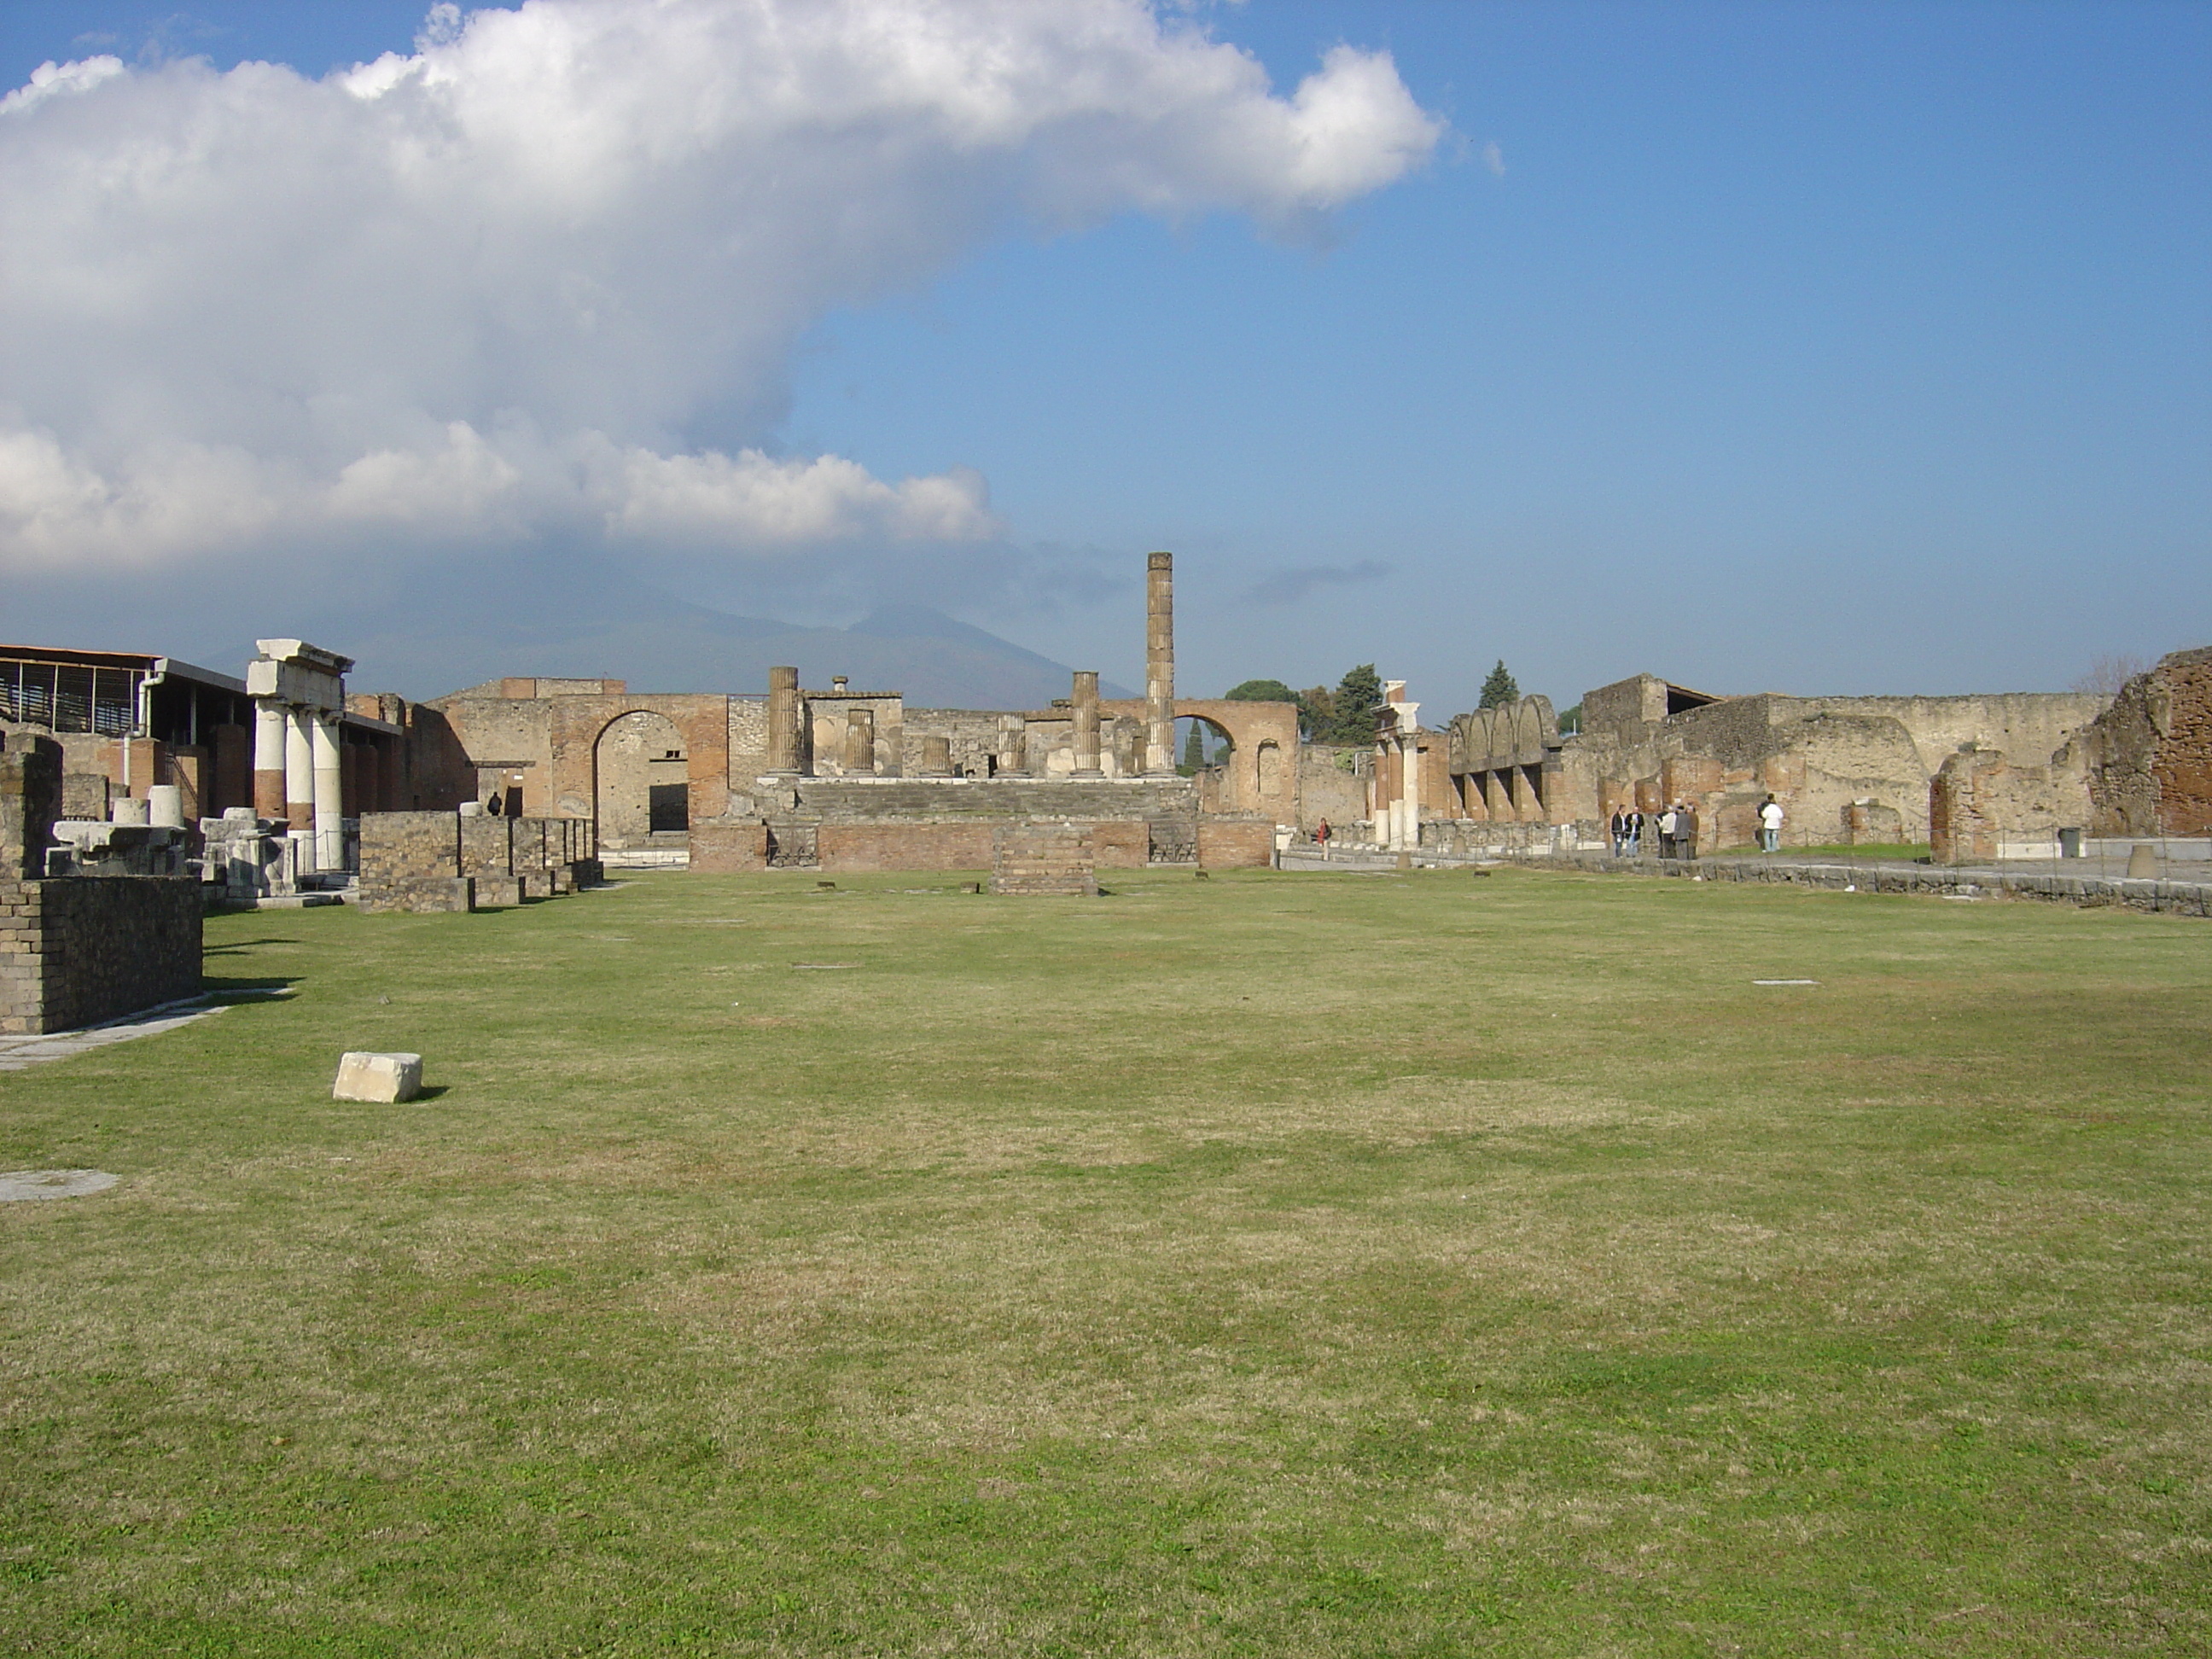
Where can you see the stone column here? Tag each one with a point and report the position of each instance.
(936, 755)
(299, 768)
(1413, 808)
(784, 714)
(330, 792)
(859, 741)
(269, 729)
(1159, 663)
(1086, 724)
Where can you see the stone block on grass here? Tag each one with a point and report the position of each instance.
(378, 1077)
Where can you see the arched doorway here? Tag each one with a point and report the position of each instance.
(642, 781)
(1200, 744)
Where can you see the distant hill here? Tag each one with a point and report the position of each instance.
(662, 644)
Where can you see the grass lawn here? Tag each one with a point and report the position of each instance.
(1310, 1264)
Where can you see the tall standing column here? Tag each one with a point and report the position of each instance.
(1086, 723)
(1159, 663)
(783, 720)
(269, 729)
(329, 793)
(1412, 806)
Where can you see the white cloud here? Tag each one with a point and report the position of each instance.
(489, 287)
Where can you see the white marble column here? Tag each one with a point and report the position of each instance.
(329, 786)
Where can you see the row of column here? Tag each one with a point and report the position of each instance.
(299, 776)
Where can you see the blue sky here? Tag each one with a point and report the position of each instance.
(1832, 348)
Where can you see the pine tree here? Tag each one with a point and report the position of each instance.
(1316, 713)
(1358, 695)
(1499, 689)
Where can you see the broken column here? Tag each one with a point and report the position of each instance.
(784, 716)
(1159, 663)
(860, 740)
(1086, 724)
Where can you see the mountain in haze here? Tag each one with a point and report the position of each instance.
(658, 643)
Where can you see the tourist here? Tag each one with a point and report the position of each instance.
(1769, 825)
(1685, 831)
(1320, 837)
(1635, 822)
(1667, 822)
(1618, 825)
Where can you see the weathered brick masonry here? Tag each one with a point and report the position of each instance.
(1043, 858)
(77, 950)
(447, 861)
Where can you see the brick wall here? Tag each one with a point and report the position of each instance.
(1236, 843)
(721, 850)
(958, 846)
(75, 950)
(1043, 858)
(30, 801)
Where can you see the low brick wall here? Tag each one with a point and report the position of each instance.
(858, 846)
(1043, 858)
(1235, 844)
(724, 849)
(74, 950)
(1122, 846)
(444, 861)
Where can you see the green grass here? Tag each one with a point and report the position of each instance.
(1309, 1264)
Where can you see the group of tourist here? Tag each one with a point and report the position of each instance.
(1676, 829)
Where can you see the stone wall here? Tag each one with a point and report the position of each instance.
(1328, 788)
(1981, 807)
(1836, 764)
(75, 950)
(2148, 758)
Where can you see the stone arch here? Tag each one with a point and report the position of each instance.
(640, 779)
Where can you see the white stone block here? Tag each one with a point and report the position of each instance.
(364, 1075)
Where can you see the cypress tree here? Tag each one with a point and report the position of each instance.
(1358, 695)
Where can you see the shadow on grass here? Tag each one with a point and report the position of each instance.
(222, 989)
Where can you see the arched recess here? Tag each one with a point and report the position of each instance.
(1271, 763)
(640, 779)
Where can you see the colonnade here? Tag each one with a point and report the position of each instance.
(299, 773)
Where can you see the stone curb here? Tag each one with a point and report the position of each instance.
(2165, 897)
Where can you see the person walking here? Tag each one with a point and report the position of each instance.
(1321, 834)
(1769, 825)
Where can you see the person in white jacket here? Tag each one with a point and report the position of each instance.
(1769, 825)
